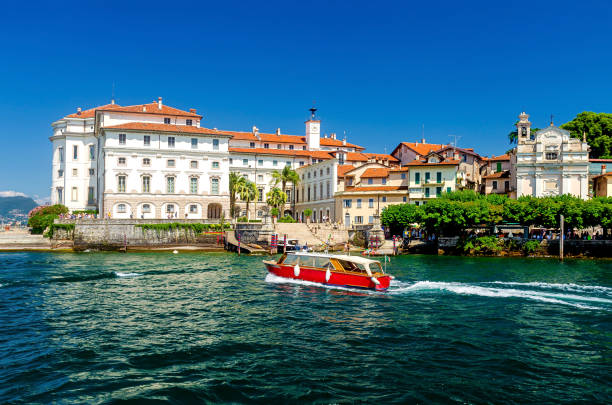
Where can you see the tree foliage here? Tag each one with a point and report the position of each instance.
(236, 182)
(276, 198)
(43, 217)
(247, 191)
(598, 129)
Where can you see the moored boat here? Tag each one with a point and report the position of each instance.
(330, 269)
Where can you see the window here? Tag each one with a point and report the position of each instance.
(327, 171)
(301, 164)
(60, 194)
(275, 163)
(328, 189)
(370, 220)
(92, 172)
(321, 172)
(170, 184)
(146, 208)
(75, 152)
(346, 203)
(371, 203)
(290, 147)
(260, 194)
(60, 173)
(403, 176)
(231, 161)
(147, 140)
(308, 193)
(438, 191)
(193, 164)
(370, 181)
(171, 163)
(384, 199)
(279, 146)
(314, 174)
(260, 177)
(549, 155)
(494, 185)
(266, 145)
(121, 208)
(170, 208)
(188, 122)
(384, 180)
(252, 145)
(464, 158)
(166, 120)
(146, 184)
(90, 195)
(427, 192)
(427, 177)
(417, 203)
(288, 163)
(92, 152)
(499, 167)
(245, 162)
(321, 190)
(215, 144)
(358, 219)
(121, 139)
(506, 186)
(60, 152)
(214, 186)
(359, 203)
(121, 161)
(260, 162)
(193, 209)
(75, 194)
(404, 199)
(193, 185)
(417, 178)
(146, 162)
(194, 143)
(75, 172)
(121, 184)
(304, 147)
(171, 142)
(215, 165)
(439, 177)
(448, 189)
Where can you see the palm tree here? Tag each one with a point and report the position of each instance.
(276, 198)
(236, 182)
(287, 175)
(248, 192)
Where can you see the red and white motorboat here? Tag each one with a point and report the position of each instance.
(328, 269)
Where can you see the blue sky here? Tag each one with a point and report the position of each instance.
(377, 70)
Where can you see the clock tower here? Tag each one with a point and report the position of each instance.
(313, 131)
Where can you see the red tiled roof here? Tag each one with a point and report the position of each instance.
(603, 175)
(146, 126)
(465, 150)
(600, 160)
(342, 169)
(150, 108)
(295, 139)
(381, 156)
(421, 148)
(376, 188)
(364, 157)
(498, 175)
(375, 172)
(445, 162)
(502, 157)
(317, 154)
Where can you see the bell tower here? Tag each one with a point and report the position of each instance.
(313, 131)
(524, 128)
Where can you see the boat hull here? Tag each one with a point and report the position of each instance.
(336, 279)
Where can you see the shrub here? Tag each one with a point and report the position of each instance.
(287, 219)
(531, 246)
(42, 217)
(274, 212)
(483, 245)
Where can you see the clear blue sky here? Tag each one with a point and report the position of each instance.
(378, 70)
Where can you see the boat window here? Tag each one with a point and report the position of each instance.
(291, 260)
(322, 262)
(350, 266)
(376, 268)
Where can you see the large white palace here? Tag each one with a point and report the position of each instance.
(155, 161)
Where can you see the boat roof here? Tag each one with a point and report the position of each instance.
(354, 259)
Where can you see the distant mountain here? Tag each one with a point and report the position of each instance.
(12, 207)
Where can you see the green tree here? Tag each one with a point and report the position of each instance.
(307, 213)
(276, 198)
(287, 175)
(443, 216)
(236, 182)
(248, 192)
(598, 129)
(399, 216)
(43, 217)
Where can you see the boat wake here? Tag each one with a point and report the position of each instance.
(120, 274)
(549, 293)
(274, 279)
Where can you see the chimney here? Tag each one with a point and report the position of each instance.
(144, 108)
(78, 110)
(344, 141)
(112, 101)
(256, 131)
(333, 135)
(192, 110)
(159, 103)
(603, 169)
(277, 131)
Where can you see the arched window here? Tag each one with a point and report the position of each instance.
(121, 208)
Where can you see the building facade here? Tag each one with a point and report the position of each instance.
(549, 163)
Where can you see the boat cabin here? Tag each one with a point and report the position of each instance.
(336, 263)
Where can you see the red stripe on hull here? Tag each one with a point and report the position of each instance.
(340, 279)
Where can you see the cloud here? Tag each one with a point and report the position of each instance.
(42, 200)
(12, 194)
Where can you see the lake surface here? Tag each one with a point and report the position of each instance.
(194, 327)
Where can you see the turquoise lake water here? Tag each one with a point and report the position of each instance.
(195, 327)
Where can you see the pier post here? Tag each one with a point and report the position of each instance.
(561, 237)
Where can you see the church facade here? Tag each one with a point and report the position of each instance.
(549, 162)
